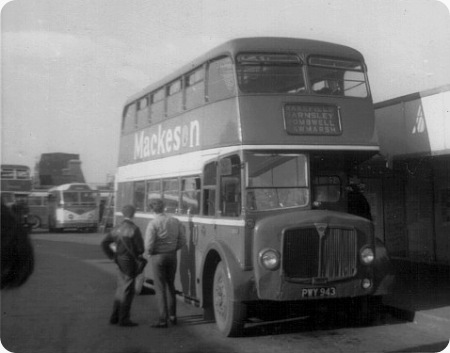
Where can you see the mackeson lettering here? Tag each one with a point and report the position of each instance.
(152, 143)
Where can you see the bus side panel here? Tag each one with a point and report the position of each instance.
(233, 237)
(188, 133)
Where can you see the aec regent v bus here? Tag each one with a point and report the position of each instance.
(253, 146)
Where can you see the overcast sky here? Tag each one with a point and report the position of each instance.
(69, 66)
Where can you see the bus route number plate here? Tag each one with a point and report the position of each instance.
(319, 292)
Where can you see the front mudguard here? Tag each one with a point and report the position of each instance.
(384, 274)
(242, 281)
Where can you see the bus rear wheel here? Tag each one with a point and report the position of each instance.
(229, 314)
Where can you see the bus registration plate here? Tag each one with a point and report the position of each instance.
(319, 292)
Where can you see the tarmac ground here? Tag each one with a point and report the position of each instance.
(421, 294)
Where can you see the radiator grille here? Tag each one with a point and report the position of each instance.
(306, 255)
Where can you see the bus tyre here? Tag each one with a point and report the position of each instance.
(34, 221)
(229, 314)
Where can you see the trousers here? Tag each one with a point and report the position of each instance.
(123, 298)
(164, 270)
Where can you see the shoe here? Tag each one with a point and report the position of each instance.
(113, 321)
(128, 324)
(173, 320)
(160, 325)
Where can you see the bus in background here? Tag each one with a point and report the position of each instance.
(253, 146)
(73, 206)
(16, 185)
(38, 209)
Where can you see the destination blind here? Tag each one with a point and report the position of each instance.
(301, 119)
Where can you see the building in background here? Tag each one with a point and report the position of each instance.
(55, 169)
(414, 191)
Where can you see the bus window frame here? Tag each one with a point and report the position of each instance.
(226, 177)
(147, 190)
(174, 100)
(197, 191)
(232, 92)
(299, 63)
(170, 181)
(340, 82)
(251, 192)
(209, 189)
(158, 97)
(141, 206)
(143, 117)
(8, 173)
(128, 126)
(188, 86)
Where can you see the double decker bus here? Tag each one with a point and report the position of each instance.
(73, 205)
(16, 184)
(253, 146)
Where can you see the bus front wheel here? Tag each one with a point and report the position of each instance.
(229, 315)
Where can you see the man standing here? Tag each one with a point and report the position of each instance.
(163, 237)
(124, 244)
(357, 203)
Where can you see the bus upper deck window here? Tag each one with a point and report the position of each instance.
(129, 118)
(221, 82)
(195, 88)
(7, 173)
(270, 73)
(157, 105)
(23, 174)
(174, 97)
(337, 77)
(143, 116)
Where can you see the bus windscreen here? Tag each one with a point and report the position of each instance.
(270, 73)
(337, 77)
(276, 181)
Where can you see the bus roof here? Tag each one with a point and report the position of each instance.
(272, 44)
(16, 166)
(72, 186)
(38, 193)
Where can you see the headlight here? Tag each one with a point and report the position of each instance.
(270, 259)
(367, 256)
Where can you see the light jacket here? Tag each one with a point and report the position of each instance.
(164, 234)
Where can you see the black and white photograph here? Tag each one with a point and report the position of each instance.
(225, 176)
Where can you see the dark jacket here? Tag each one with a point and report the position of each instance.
(358, 205)
(129, 245)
